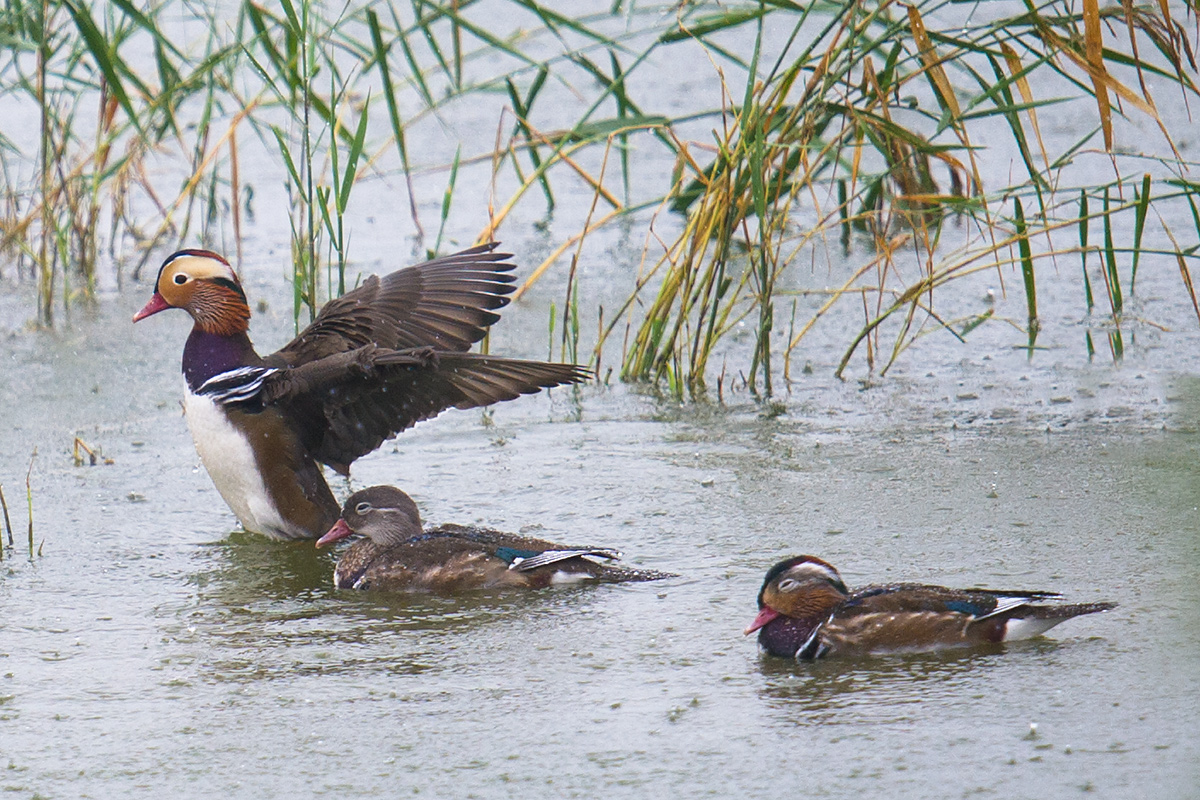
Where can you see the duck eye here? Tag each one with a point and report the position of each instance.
(362, 508)
(180, 279)
(789, 585)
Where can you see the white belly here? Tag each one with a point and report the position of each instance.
(230, 463)
(1028, 628)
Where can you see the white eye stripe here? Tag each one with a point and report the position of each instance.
(199, 267)
(810, 569)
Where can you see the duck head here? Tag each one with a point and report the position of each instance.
(797, 597)
(203, 284)
(384, 514)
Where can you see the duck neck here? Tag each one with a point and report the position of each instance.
(207, 354)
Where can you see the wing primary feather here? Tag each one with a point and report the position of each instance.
(555, 556)
(1003, 606)
(447, 303)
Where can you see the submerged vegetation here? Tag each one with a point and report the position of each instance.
(903, 141)
(8, 528)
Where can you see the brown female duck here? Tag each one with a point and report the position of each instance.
(396, 555)
(374, 362)
(806, 612)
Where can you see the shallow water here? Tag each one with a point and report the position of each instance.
(150, 650)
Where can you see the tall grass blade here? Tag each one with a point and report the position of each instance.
(446, 199)
(354, 154)
(425, 25)
(521, 107)
(7, 522)
(1139, 227)
(29, 497)
(416, 74)
(1186, 274)
(933, 64)
(285, 151)
(713, 23)
(389, 94)
(46, 267)
(554, 20)
(104, 57)
(1094, 48)
(1113, 279)
(1084, 221)
(1026, 266)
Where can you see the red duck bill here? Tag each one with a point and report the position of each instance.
(765, 615)
(156, 304)
(340, 530)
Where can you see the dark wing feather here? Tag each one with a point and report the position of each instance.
(347, 404)
(915, 597)
(447, 303)
(522, 545)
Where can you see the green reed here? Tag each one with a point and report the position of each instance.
(854, 122)
(98, 121)
(7, 522)
(29, 499)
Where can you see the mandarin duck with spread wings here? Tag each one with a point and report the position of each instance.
(374, 362)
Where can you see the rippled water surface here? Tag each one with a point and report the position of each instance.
(149, 650)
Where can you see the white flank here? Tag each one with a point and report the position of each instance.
(1028, 628)
(230, 463)
(561, 578)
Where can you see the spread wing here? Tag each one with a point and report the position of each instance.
(347, 404)
(447, 303)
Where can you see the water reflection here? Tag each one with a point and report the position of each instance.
(263, 610)
(885, 689)
(245, 568)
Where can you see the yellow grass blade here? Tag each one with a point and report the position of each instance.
(1094, 47)
(1015, 67)
(932, 61)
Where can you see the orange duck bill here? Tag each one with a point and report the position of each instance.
(340, 530)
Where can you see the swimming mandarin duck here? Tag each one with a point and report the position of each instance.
(397, 555)
(806, 612)
(374, 362)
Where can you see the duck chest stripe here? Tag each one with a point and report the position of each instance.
(237, 385)
(807, 650)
